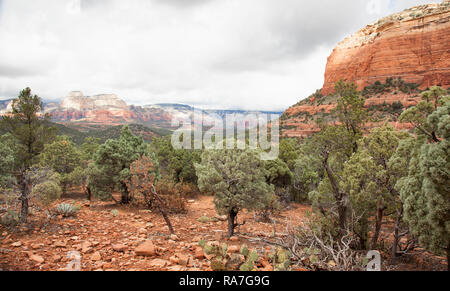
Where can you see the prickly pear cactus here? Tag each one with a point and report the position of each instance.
(280, 259)
(249, 264)
(222, 261)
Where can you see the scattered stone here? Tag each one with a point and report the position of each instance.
(86, 247)
(199, 254)
(183, 259)
(176, 268)
(119, 248)
(37, 259)
(221, 217)
(17, 244)
(159, 263)
(96, 257)
(234, 239)
(174, 260)
(234, 249)
(56, 258)
(218, 234)
(145, 249)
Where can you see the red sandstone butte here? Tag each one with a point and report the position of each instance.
(413, 44)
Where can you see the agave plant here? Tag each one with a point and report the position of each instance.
(67, 210)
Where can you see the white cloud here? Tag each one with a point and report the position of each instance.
(251, 54)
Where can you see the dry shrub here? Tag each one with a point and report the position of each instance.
(175, 194)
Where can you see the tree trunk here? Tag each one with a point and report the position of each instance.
(342, 212)
(24, 199)
(396, 232)
(89, 193)
(231, 222)
(161, 208)
(338, 195)
(64, 188)
(166, 218)
(125, 195)
(378, 223)
(24, 209)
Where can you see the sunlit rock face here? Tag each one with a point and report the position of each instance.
(76, 101)
(412, 44)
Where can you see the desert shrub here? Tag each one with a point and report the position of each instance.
(10, 219)
(175, 194)
(67, 210)
(318, 246)
(114, 212)
(144, 173)
(206, 219)
(48, 191)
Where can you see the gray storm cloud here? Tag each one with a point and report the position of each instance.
(247, 54)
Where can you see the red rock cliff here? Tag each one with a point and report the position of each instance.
(413, 45)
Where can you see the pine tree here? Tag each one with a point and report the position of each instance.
(28, 127)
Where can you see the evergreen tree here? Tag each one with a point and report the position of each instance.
(425, 191)
(6, 162)
(113, 160)
(369, 179)
(30, 133)
(63, 157)
(335, 145)
(238, 180)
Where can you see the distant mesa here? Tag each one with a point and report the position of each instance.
(104, 110)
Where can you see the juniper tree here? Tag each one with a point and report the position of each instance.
(63, 157)
(81, 175)
(369, 179)
(113, 160)
(335, 145)
(6, 162)
(238, 180)
(30, 132)
(280, 176)
(425, 191)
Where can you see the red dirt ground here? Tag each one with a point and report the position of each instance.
(95, 232)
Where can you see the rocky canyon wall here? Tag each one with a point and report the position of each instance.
(413, 45)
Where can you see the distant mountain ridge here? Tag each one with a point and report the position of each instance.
(105, 110)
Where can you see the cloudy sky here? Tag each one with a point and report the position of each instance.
(230, 54)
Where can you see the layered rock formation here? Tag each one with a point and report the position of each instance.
(99, 111)
(411, 48)
(413, 45)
